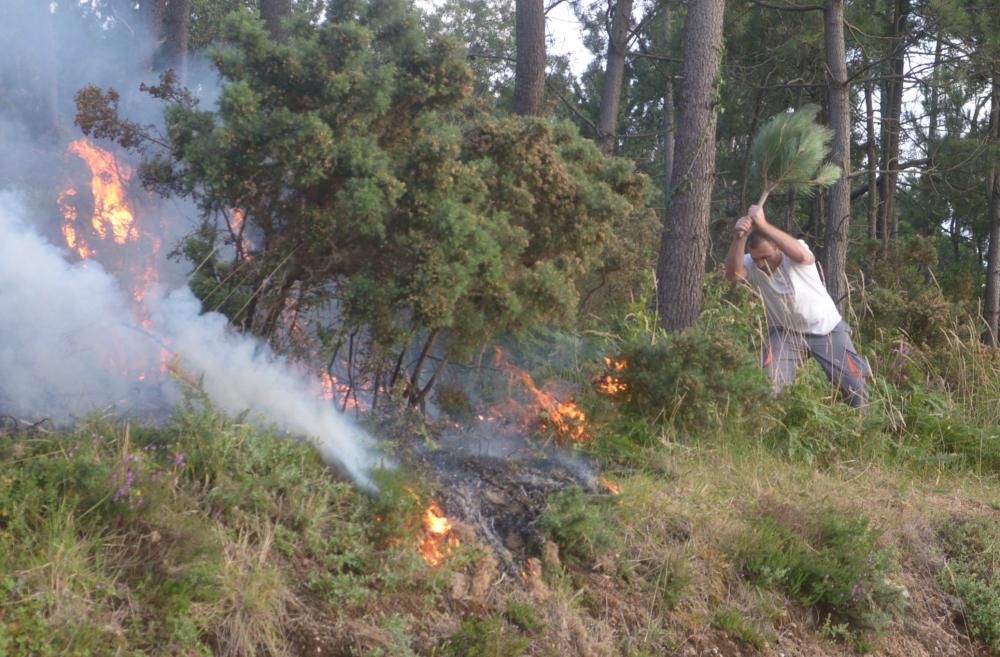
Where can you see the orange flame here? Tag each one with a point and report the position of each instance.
(333, 390)
(112, 220)
(69, 214)
(609, 384)
(438, 543)
(566, 418)
(107, 183)
(237, 224)
(609, 486)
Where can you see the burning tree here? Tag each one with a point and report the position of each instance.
(370, 186)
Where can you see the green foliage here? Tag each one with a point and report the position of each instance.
(693, 379)
(827, 561)
(582, 525)
(973, 573)
(736, 625)
(811, 427)
(370, 182)
(208, 559)
(486, 637)
(523, 615)
(788, 152)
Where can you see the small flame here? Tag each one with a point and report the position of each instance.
(237, 226)
(609, 384)
(333, 390)
(438, 541)
(609, 486)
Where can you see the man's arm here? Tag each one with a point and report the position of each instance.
(735, 271)
(787, 244)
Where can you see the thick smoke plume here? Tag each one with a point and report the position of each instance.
(70, 343)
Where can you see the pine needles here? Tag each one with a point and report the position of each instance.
(788, 153)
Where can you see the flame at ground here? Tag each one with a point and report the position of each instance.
(566, 418)
(609, 486)
(438, 542)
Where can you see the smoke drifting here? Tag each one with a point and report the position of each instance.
(72, 339)
(65, 330)
(69, 343)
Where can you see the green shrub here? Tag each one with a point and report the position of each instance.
(811, 428)
(523, 616)
(486, 637)
(694, 379)
(736, 625)
(827, 561)
(973, 573)
(583, 526)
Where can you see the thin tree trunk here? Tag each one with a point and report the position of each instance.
(991, 301)
(839, 120)
(669, 118)
(684, 244)
(892, 111)
(872, 161)
(529, 71)
(614, 76)
(274, 12)
(933, 108)
(414, 392)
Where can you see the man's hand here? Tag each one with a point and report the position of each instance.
(756, 215)
(743, 226)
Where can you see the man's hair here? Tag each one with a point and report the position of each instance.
(755, 238)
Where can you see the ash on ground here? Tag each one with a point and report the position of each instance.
(496, 481)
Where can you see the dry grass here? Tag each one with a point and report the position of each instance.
(256, 604)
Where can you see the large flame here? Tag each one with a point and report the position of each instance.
(108, 180)
(438, 542)
(112, 222)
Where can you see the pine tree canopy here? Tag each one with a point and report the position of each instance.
(788, 154)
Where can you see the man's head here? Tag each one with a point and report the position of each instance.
(764, 253)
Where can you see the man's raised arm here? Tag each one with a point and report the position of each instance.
(787, 244)
(735, 271)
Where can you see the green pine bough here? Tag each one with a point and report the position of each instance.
(788, 153)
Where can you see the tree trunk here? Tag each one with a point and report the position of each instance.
(991, 301)
(274, 12)
(839, 120)
(872, 161)
(933, 109)
(669, 119)
(684, 244)
(176, 35)
(614, 75)
(153, 12)
(892, 111)
(529, 71)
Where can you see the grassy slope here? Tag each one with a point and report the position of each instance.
(231, 542)
(745, 525)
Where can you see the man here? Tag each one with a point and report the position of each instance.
(802, 319)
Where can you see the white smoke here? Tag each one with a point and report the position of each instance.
(68, 337)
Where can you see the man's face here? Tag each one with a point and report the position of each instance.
(766, 256)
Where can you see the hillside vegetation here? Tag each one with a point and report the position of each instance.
(744, 524)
